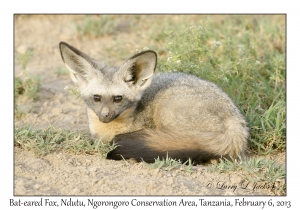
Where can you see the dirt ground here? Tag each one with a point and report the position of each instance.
(68, 174)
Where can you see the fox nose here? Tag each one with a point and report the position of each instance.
(105, 112)
(106, 115)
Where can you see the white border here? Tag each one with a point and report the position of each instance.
(8, 8)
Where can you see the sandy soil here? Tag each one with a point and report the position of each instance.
(68, 174)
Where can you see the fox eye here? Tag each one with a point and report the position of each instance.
(97, 98)
(117, 99)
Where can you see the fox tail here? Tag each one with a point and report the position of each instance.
(200, 147)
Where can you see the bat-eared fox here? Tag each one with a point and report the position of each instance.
(154, 115)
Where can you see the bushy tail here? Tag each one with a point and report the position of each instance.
(199, 146)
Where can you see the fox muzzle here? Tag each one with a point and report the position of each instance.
(106, 115)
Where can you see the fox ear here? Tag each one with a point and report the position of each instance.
(79, 64)
(139, 69)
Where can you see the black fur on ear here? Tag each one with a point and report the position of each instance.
(81, 66)
(139, 68)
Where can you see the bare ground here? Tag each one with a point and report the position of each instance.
(61, 173)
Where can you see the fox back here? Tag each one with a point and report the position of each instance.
(151, 115)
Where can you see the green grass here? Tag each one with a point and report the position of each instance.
(26, 85)
(170, 164)
(50, 139)
(263, 170)
(23, 59)
(101, 25)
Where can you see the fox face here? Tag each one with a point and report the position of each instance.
(109, 92)
(109, 97)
